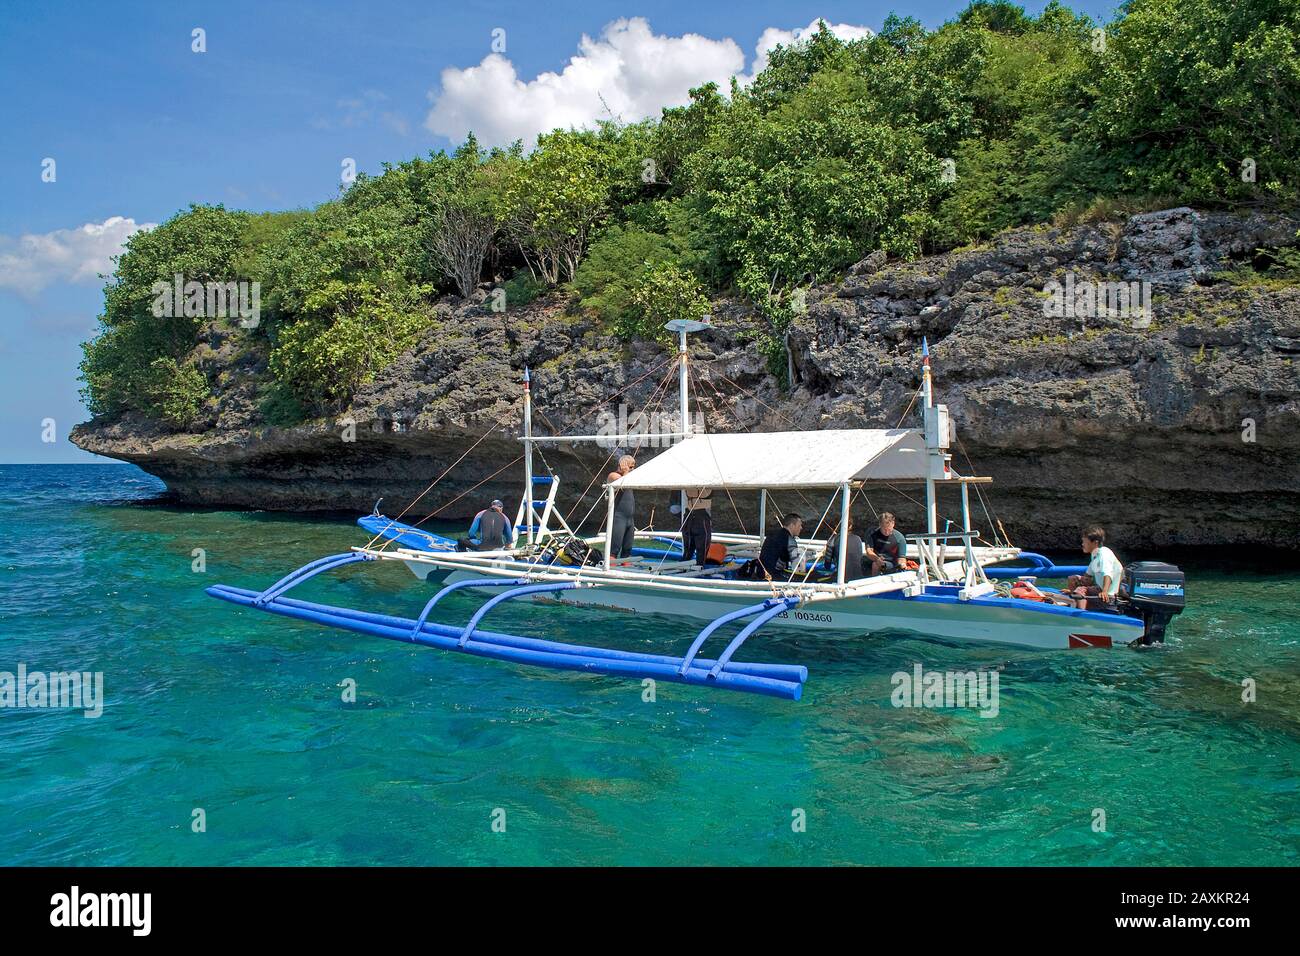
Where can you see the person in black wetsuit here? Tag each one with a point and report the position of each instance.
(697, 531)
(620, 544)
(780, 548)
(887, 548)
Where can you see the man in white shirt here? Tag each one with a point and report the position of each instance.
(1101, 582)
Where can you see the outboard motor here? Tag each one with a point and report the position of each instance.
(1153, 591)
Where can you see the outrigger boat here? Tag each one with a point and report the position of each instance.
(948, 590)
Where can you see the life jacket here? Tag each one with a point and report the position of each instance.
(1025, 592)
(717, 553)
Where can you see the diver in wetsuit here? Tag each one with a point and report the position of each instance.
(780, 548)
(490, 531)
(620, 544)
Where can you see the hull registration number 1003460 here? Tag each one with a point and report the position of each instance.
(808, 616)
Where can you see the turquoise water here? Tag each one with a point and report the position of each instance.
(241, 714)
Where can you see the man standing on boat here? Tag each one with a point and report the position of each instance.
(490, 531)
(697, 529)
(888, 546)
(620, 545)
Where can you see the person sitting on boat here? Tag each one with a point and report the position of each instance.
(697, 530)
(490, 531)
(855, 566)
(780, 551)
(888, 548)
(620, 544)
(1100, 584)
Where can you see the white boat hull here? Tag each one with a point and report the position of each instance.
(936, 614)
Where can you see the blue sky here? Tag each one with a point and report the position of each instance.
(139, 125)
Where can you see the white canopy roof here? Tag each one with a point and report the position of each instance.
(822, 459)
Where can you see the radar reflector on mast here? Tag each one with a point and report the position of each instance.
(689, 325)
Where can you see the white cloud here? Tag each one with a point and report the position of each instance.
(628, 73)
(773, 37)
(31, 262)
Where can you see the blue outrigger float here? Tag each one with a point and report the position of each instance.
(948, 590)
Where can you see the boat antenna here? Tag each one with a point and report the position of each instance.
(528, 457)
(930, 429)
(682, 327)
(925, 372)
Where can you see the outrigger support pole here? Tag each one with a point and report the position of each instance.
(775, 680)
(780, 607)
(506, 596)
(771, 604)
(310, 570)
(471, 583)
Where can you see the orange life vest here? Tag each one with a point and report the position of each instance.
(1025, 593)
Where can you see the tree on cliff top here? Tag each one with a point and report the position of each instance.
(1201, 100)
(909, 141)
(119, 366)
(552, 200)
(464, 214)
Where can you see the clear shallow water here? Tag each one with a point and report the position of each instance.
(240, 713)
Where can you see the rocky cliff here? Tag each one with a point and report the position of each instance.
(1180, 425)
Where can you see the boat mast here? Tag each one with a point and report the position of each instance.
(931, 440)
(528, 456)
(683, 398)
(842, 557)
(609, 525)
(683, 403)
(681, 327)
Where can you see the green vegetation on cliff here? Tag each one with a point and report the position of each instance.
(909, 141)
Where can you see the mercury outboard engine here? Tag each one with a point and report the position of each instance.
(1153, 591)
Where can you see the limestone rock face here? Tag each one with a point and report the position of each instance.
(1173, 425)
